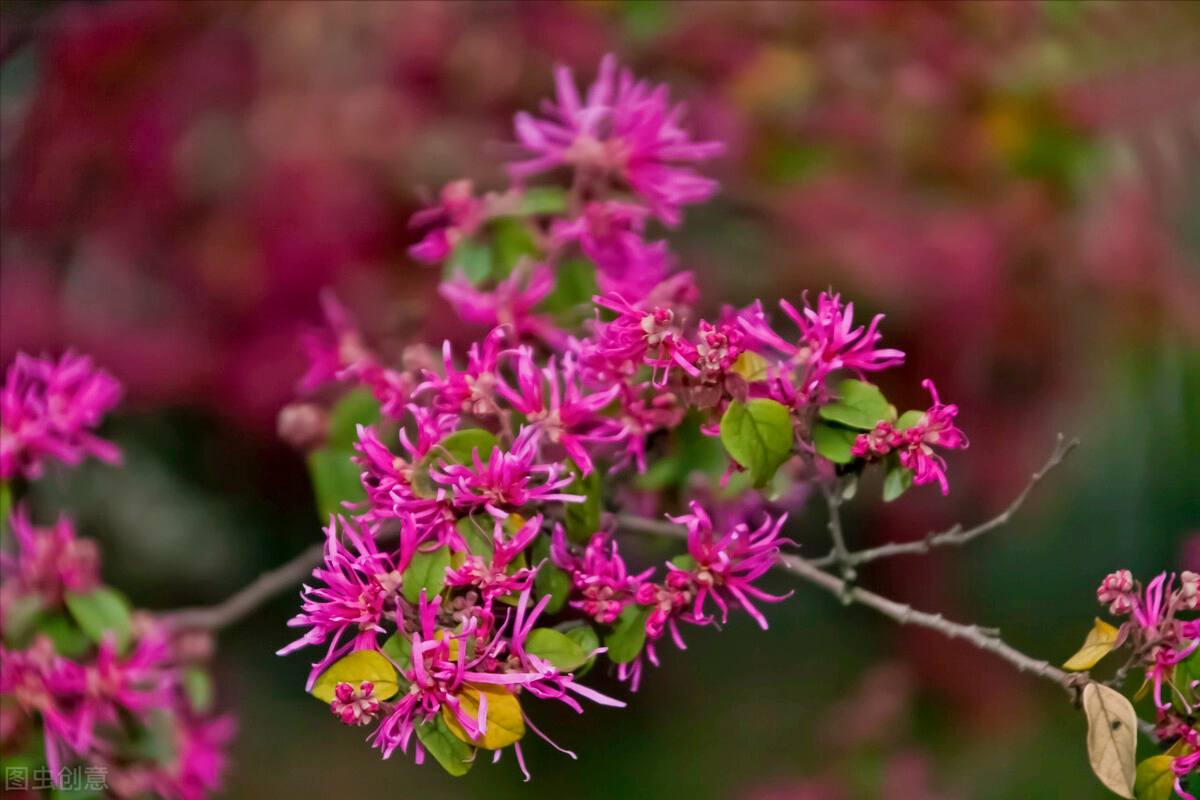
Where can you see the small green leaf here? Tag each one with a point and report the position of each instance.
(859, 405)
(834, 442)
(427, 571)
(897, 481)
(685, 562)
(758, 435)
(1184, 673)
(542, 200)
(557, 648)
(908, 419)
(357, 407)
(477, 534)
(587, 638)
(20, 618)
(455, 755)
(359, 666)
(512, 240)
(69, 640)
(335, 480)
(398, 648)
(99, 611)
(549, 578)
(457, 448)
(628, 635)
(1155, 780)
(5, 501)
(471, 258)
(197, 684)
(573, 288)
(583, 519)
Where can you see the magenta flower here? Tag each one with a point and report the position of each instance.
(1116, 591)
(43, 683)
(49, 409)
(472, 390)
(497, 578)
(727, 566)
(49, 561)
(359, 585)
(355, 706)
(553, 402)
(1154, 613)
(508, 480)
(458, 215)
(828, 341)
(935, 427)
(200, 763)
(624, 129)
(610, 233)
(510, 303)
(600, 576)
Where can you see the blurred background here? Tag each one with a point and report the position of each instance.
(1016, 184)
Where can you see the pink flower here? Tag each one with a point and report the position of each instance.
(600, 575)
(828, 341)
(48, 410)
(610, 233)
(623, 128)
(458, 215)
(355, 706)
(201, 760)
(935, 427)
(359, 585)
(50, 561)
(726, 566)
(877, 442)
(496, 578)
(1116, 591)
(553, 402)
(472, 390)
(508, 480)
(510, 303)
(41, 682)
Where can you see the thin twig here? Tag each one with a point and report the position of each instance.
(956, 536)
(983, 638)
(833, 502)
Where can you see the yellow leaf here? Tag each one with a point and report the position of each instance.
(1155, 780)
(751, 366)
(359, 666)
(1179, 749)
(1111, 738)
(505, 724)
(1099, 643)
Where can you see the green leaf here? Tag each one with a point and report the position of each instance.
(359, 666)
(335, 479)
(908, 419)
(758, 435)
(197, 684)
(549, 578)
(1155, 780)
(478, 539)
(684, 561)
(834, 442)
(427, 571)
(583, 519)
(5, 501)
(542, 200)
(690, 452)
(357, 407)
(99, 611)
(455, 755)
(897, 481)
(859, 405)
(1184, 673)
(69, 640)
(587, 638)
(628, 635)
(512, 240)
(574, 287)
(472, 258)
(457, 448)
(557, 648)
(398, 648)
(20, 618)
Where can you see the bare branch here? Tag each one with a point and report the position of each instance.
(984, 638)
(833, 502)
(956, 536)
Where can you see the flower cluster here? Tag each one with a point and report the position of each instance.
(83, 679)
(489, 476)
(1167, 646)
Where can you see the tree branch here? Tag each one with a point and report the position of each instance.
(983, 638)
(956, 536)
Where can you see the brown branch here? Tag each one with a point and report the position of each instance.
(983, 638)
(956, 536)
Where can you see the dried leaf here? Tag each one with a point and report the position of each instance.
(1112, 737)
(1099, 643)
